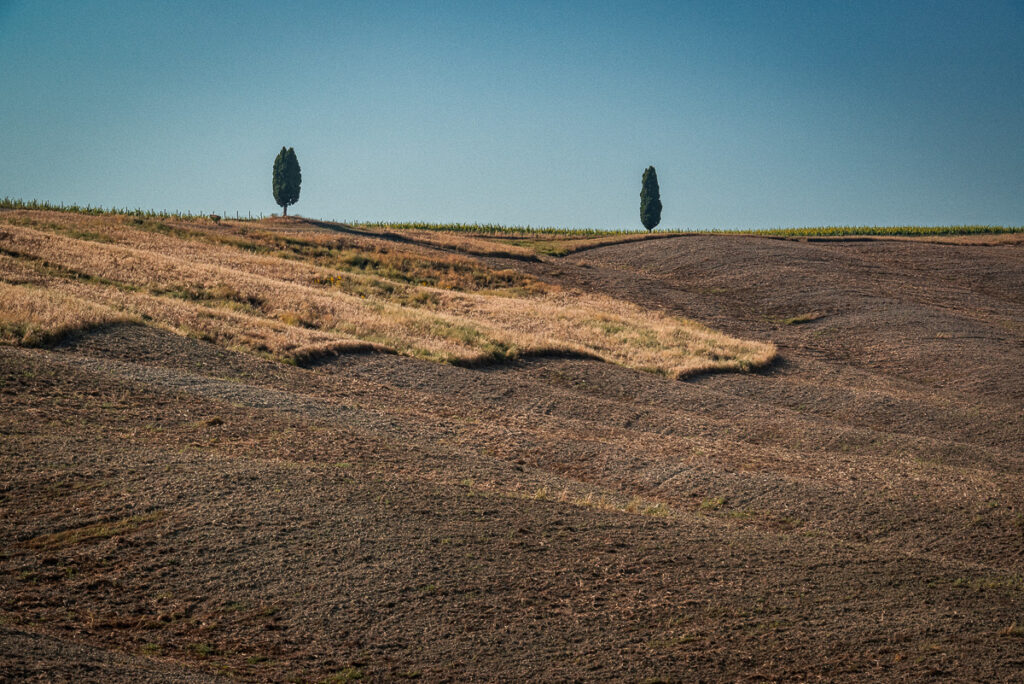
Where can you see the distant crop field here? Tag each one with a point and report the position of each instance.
(852, 231)
(530, 232)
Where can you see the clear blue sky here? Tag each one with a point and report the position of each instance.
(756, 114)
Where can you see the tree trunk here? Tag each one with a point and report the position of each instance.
(286, 210)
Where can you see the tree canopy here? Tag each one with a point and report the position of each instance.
(650, 199)
(287, 178)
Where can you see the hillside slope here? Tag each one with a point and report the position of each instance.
(170, 506)
(277, 288)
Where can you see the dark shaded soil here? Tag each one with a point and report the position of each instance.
(172, 511)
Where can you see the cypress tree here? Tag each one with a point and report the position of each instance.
(650, 200)
(287, 178)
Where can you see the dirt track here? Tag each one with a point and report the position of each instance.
(170, 508)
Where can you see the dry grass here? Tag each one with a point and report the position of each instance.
(293, 294)
(30, 314)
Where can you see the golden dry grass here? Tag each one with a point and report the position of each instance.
(30, 314)
(293, 294)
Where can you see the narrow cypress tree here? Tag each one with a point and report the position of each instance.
(287, 178)
(650, 200)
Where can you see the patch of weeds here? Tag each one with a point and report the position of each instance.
(802, 318)
(347, 675)
(152, 649)
(1014, 583)
(651, 508)
(1014, 630)
(495, 350)
(657, 510)
(95, 532)
(713, 504)
(637, 505)
(787, 523)
(203, 650)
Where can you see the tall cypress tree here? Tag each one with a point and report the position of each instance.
(650, 200)
(287, 178)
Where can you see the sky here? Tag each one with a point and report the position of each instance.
(755, 114)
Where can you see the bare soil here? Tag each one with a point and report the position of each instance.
(171, 511)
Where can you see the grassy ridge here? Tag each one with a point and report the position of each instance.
(539, 233)
(89, 210)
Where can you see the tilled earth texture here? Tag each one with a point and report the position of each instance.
(171, 511)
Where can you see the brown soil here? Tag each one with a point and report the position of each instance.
(171, 511)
